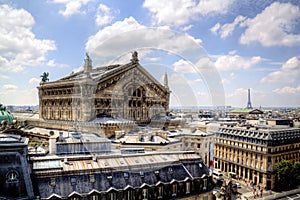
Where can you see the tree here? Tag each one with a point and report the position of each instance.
(44, 77)
(296, 172)
(285, 175)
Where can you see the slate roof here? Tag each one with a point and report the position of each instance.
(137, 171)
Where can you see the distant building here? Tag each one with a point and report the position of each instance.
(252, 153)
(121, 91)
(245, 113)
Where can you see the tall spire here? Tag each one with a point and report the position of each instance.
(166, 80)
(249, 106)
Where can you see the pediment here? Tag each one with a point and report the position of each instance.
(125, 77)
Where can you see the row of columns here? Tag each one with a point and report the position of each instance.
(247, 174)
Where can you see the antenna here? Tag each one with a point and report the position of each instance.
(249, 106)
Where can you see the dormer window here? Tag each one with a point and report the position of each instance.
(12, 176)
(92, 178)
(73, 181)
(52, 182)
(141, 173)
(109, 177)
(126, 175)
(170, 170)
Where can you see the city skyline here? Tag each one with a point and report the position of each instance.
(249, 45)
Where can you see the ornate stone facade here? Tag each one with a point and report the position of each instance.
(252, 153)
(121, 91)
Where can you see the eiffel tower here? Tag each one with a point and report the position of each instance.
(249, 106)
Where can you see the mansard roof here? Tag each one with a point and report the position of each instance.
(137, 171)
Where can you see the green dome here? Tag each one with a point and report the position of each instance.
(5, 115)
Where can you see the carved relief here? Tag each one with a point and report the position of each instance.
(131, 94)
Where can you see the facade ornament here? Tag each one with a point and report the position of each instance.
(87, 64)
(166, 81)
(134, 58)
(44, 77)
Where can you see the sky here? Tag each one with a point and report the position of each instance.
(212, 51)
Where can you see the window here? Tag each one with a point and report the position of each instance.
(109, 177)
(145, 193)
(52, 182)
(112, 196)
(129, 194)
(174, 189)
(126, 175)
(204, 184)
(141, 173)
(94, 197)
(160, 192)
(73, 181)
(269, 159)
(12, 176)
(92, 178)
(187, 187)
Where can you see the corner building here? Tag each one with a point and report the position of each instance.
(252, 153)
(123, 91)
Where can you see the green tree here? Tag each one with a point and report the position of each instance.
(286, 176)
(296, 172)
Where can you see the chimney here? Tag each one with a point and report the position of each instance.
(61, 137)
(52, 143)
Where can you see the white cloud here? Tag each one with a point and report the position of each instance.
(287, 90)
(182, 91)
(274, 26)
(12, 97)
(104, 15)
(183, 66)
(215, 28)
(125, 36)
(238, 97)
(52, 63)
(18, 46)
(178, 12)
(72, 7)
(152, 59)
(9, 87)
(4, 77)
(186, 28)
(235, 62)
(289, 72)
(34, 81)
(227, 29)
(205, 7)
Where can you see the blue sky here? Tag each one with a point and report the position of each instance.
(212, 50)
